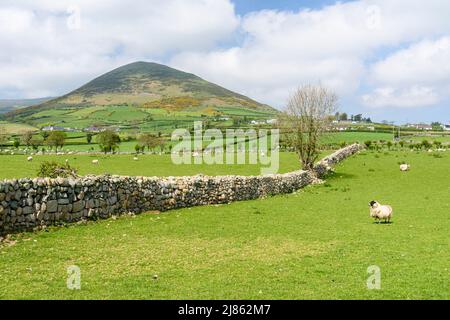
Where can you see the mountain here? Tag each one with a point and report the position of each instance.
(7, 105)
(142, 95)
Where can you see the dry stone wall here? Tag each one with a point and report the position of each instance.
(27, 204)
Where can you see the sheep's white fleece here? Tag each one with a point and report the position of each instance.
(381, 212)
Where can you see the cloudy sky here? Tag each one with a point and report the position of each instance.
(389, 59)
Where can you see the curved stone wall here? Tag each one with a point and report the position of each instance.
(26, 204)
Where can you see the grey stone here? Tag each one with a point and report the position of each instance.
(78, 206)
(27, 210)
(63, 201)
(18, 195)
(52, 206)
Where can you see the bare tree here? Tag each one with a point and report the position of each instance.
(150, 141)
(305, 118)
(27, 137)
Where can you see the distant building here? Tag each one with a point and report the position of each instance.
(255, 122)
(446, 127)
(420, 126)
(94, 129)
(53, 128)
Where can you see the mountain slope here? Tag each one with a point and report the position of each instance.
(7, 105)
(144, 91)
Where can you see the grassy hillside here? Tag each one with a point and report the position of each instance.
(8, 105)
(139, 94)
(137, 118)
(15, 128)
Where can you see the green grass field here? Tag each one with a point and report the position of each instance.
(15, 128)
(313, 244)
(351, 137)
(136, 118)
(17, 166)
(419, 138)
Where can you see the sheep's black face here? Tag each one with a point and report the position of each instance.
(372, 203)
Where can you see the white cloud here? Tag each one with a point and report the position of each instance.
(50, 47)
(417, 76)
(47, 50)
(426, 62)
(404, 98)
(333, 45)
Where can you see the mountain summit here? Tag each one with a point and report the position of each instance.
(150, 87)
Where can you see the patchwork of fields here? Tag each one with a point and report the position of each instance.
(130, 117)
(314, 244)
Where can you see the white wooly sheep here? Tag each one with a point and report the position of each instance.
(135, 158)
(95, 162)
(30, 159)
(380, 212)
(404, 167)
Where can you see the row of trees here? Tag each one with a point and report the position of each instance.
(54, 139)
(149, 141)
(423, 145)
(357, 117)
(108, 140)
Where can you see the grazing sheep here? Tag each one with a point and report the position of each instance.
(30, 159)
(404, 167)
(135, 159)
(94, 161)
(380, 212)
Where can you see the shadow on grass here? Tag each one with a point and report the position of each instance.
(383, 223)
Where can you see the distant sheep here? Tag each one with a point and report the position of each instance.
(95, 161)
(380, 212)
(404, 167)
(135, 158)
(30, 159)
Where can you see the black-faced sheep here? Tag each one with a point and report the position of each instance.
(380, 212)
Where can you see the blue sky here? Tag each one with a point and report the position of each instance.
(245, 6)
(389, 60)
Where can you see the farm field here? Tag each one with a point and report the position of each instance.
(314, 244)
(420, 138)
(17, 166)
(15, 128)
(351, 137)
(137, 118)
